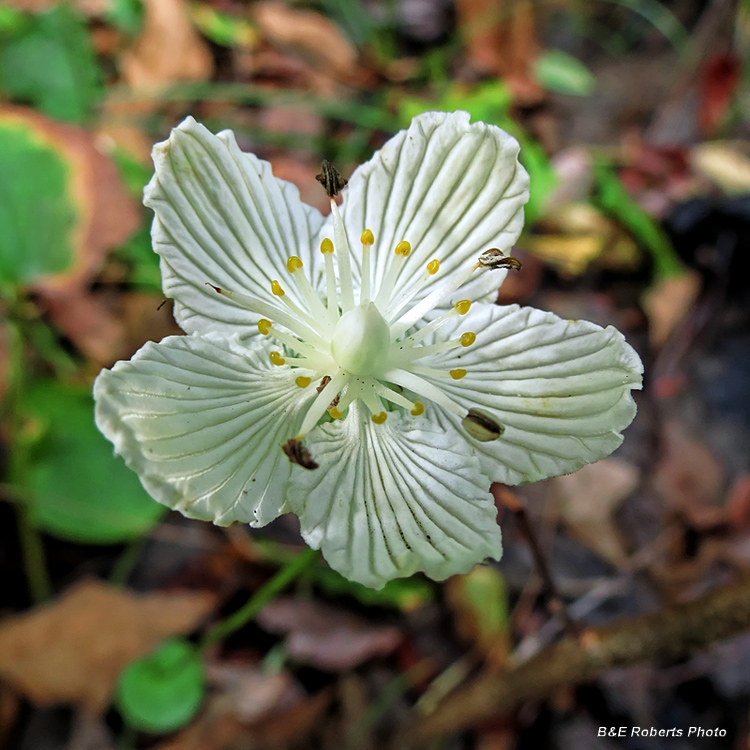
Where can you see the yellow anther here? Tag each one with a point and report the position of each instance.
(276, 358)
(293, 264)
(276, 289)
(403, 248)
(302, 381)
(433, 267)
(368, 238)
(264, 326)
(335, 413)
(468, 338)
(463, 306)
(326, 247)
(379, 418)
(458, 373)
(418, 409)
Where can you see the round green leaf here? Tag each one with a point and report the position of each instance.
(78, 489)
(162, 692)
(50, 63)
(558, 71)
(37, 213)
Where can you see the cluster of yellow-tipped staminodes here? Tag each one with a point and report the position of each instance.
(368, 350)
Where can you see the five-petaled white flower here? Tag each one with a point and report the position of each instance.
(352, 369)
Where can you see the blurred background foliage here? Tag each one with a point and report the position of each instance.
(633, 120)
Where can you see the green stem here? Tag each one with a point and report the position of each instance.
(34, 559)
(260, 598)
(32, 548)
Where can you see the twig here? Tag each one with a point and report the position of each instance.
(554, 600)
(672, 633)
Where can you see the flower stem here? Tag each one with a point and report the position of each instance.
(260, 598)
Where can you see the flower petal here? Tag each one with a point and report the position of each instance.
(201, 420)
(560, 388)
(391, 499)
(222, 217)
(451, 188)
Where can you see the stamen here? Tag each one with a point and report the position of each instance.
(460, 308)
(345, 266)
(276, 358)
(321, 403)
(368, 239)
(302, 381)
(326, 247)
(314, 358)
(409, 353)
(264, 326)
(418, 409)
(419, 385)
(397, 307)
(335, 413)
(458, 373)
(294, 266)
(279, 292)
(379, 418)
(270, 311)
(298, 454)
(396, 262)
(452, 283)
(481, 426)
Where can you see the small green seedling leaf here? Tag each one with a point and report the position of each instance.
(163, 691)
(558, 71)
(614, 200)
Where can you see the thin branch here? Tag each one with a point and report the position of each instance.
(672, 633)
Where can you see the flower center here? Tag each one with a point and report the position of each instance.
(349, 350)
(361, 340)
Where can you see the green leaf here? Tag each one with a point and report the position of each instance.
(50, 63)
(405, 594)
(558, 71)
(162, 692)
(78, 489)
(37, 213)
(126, 15)
(614, 200)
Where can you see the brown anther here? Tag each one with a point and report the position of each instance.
(330, 179)
(481, 426)
(323, 383)
(495, 258)
(298, 454)
(215, 288)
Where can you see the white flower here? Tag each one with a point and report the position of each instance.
(363, 344)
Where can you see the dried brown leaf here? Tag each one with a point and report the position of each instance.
(73, 649)
(107, 215)
(168, 49)
(588, 499)
(310, 35)
(667, 302)
(327, 637)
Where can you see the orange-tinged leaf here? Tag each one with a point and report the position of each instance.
(73, 649)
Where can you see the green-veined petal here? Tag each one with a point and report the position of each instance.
(450, 188)
(560, 388)
(389, 500)
(201, 420)
(223, 218)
